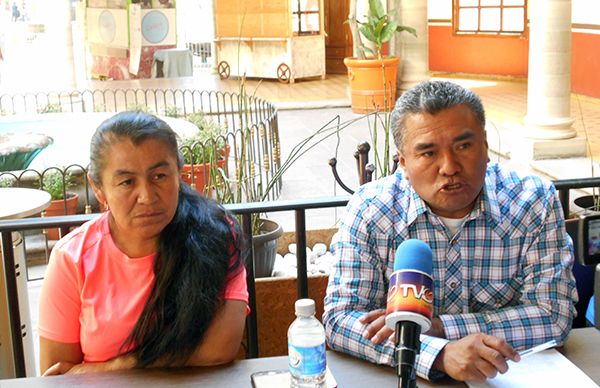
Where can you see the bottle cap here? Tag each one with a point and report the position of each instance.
(305, 307)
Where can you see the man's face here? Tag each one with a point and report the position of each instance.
(445, 157)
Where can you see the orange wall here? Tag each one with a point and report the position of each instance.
(477, 54)
(509, 56)
(585, 64)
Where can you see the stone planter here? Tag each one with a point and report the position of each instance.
(265, 248)
(588, 204)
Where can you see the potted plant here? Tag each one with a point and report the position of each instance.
(63, 202)
(244, 181)
(373, 77)
(204, 148)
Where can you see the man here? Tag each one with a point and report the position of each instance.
(501, 259)
(15, 12)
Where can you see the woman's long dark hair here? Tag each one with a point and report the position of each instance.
(198, 251)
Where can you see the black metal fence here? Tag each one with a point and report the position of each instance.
(233, 110)
(247, 151)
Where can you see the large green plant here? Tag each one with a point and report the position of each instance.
(378, 28)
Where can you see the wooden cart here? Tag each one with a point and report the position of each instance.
(281, 39)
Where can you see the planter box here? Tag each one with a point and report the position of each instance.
(275, 297)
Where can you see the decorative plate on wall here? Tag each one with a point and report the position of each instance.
(155, 27)
(107, 26)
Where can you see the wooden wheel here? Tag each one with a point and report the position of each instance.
(223, 69)
(284, 73)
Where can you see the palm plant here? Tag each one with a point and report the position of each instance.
(378, 28)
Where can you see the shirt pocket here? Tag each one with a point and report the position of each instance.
(487, 296)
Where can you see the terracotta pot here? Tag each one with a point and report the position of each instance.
(201, 175)
(367, 83)
(57, 208)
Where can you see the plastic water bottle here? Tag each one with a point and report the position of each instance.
(306, 347)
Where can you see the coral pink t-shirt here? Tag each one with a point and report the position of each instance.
(93, 294)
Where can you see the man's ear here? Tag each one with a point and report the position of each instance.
(402, 163)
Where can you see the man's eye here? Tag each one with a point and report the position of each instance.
(126, 182)
(427, 154)
(159, 176)
(464, 146)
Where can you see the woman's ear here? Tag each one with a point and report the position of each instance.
(98, 193)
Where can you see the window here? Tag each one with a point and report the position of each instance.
(305, 17)
(501, 17)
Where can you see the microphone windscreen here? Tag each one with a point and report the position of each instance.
(414, 255)
(410, 294)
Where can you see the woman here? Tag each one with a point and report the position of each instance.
(157, 279)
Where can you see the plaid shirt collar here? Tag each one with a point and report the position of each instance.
(486, 204)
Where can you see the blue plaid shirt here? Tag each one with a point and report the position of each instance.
(506, 272)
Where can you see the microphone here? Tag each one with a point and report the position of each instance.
(410, 305)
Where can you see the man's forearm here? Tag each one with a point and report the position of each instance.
(523, 326)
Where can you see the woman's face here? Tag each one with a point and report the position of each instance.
(140, 185)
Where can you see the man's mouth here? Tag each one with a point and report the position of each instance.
(452, 186)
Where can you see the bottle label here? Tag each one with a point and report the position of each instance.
(307, 361)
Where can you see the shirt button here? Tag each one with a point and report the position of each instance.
(453, 285)
(498, 302)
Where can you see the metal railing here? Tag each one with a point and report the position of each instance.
(245, 210)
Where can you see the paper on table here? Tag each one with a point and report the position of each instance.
(544, 369)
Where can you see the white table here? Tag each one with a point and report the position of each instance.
(175, 63)
(17, 203)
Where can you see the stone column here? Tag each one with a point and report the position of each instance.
(413, 52)
(549, 76)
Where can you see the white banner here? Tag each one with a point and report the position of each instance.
(135, 37)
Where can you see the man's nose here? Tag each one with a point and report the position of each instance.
(449, 164)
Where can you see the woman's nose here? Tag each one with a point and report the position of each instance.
(146, 193)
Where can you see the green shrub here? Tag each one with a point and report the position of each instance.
(171, 111)
(51, 108)
(55, 184)
(206, 144)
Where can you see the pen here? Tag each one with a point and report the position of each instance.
(538, 348)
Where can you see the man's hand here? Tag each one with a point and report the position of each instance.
(475, 357)
(377, 331)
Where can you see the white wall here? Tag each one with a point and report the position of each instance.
(439, 9)
(585, 12)
(195, 21)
